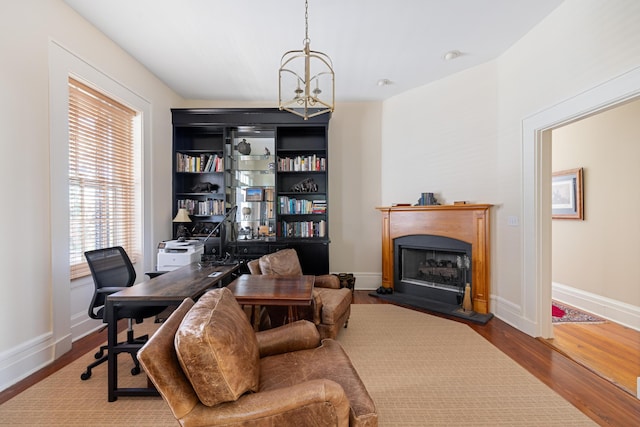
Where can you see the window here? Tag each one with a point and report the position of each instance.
(102, 176)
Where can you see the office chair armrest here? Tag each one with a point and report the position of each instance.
(111, 289)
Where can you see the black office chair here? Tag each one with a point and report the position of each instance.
(112, 271)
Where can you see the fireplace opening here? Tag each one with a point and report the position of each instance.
(432, 267)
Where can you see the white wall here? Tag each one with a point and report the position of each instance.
(581, 45)
(354, 191)
(37, 312)
(441, 138)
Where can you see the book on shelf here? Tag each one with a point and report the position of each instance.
(302, 229)
(322, 228)
(207, 166)
(319, 207)
(310, 163)
(199, 163)
(202, 207)
(293, 206)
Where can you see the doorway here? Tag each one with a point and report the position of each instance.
(536, 176)
(589, 256)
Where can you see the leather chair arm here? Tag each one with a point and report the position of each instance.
(254, 266)
(315, 402)
(300, 335)
(327, 281)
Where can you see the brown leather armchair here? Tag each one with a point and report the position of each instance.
(212, 369)
(331, 305)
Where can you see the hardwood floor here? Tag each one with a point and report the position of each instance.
(608, 349)
(601, 400)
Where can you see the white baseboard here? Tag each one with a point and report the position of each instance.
(82, 325)
(511, 314)
(21, 361)
(619, 312)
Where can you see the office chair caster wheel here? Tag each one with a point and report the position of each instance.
(99, 354)
(135, 370)
(85, 375)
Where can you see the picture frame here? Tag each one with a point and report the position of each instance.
(254, 194)
(567, 194)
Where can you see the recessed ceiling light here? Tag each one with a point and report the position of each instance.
(452, 54)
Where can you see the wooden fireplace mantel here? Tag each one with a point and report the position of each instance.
(466, 222)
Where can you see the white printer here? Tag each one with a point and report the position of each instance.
(174, 254)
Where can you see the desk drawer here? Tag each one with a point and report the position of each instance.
(252, 250)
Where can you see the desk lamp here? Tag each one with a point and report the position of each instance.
(182, 232)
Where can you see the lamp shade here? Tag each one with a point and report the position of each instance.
(182, 216)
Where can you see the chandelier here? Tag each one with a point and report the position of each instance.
(303, 76)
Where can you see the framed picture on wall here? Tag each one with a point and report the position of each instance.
(566, 194)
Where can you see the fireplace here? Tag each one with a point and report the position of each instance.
(431, 252)
(432, 267)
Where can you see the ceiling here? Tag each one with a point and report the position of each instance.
(231, 49)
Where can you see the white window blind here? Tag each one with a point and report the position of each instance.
(102, 180)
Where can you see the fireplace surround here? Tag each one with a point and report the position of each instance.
(457, 231)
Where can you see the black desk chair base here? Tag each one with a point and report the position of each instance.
(102, 355)
(113, 271)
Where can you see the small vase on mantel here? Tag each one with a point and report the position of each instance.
(467, 303)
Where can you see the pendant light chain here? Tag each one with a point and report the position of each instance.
(306, 22)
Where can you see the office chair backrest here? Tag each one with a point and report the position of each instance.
(110, 267)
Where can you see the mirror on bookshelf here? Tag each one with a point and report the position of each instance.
(251, 183)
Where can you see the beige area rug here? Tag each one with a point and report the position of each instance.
(421, 370)
(63, 399)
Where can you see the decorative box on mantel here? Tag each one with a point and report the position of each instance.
(468, 223)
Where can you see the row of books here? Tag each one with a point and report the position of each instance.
(201, 163)
(288, 206)
(202, 207)
(302, 164)
(302, 229)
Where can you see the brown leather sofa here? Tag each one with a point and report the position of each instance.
(212, 369)
(331, 305)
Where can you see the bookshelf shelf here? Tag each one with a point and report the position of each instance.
(286, 154)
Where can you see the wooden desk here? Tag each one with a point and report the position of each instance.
(261, 289)
(171, 288)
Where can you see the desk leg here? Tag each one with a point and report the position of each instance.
(255, 317)
(253, 314)
(292, 314)
(112, 339)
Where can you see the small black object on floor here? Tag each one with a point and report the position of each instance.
(432, 305)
